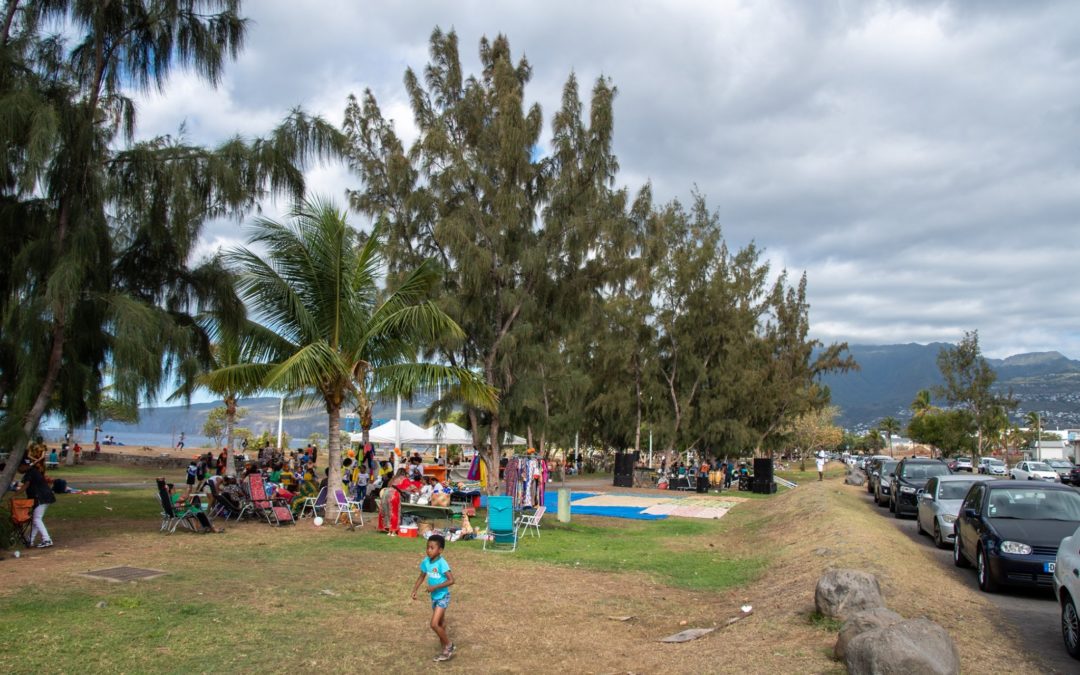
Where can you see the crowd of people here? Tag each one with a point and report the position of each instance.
(293, 478)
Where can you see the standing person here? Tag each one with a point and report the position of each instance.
(180, 443)
(192, 472)
(436, 570)
(222, 461)
(821, 465)
(38, 490)
(314, 454)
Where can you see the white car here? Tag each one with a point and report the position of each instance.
(992, 466)
(1067, 591)
(963, 464)
(1034, 471)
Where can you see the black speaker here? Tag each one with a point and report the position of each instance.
(763, 468)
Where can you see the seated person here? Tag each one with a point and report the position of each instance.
(426, 490)
(53, 459)
(190, 511)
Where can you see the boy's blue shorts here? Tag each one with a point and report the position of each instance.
(443, 602)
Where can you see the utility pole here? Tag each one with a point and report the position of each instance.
(280, 421)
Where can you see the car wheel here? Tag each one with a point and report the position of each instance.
(986, 577)
(1070, 627)
(957, 556)
(938, 539)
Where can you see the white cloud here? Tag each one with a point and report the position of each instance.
(918, 158)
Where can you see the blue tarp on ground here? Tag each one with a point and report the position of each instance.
(551, 498)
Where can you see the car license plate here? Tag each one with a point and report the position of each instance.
(1049, 567)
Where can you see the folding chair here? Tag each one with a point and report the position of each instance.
(347, 507)
(502, 532)
(275, 514)
(21, 515)
(314, 503)
(532, 520)
(171, 518)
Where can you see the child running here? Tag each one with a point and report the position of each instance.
(439, 580)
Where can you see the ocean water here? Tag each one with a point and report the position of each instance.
(85, 438)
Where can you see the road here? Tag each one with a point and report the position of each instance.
(1034, 615)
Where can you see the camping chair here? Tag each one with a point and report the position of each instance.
(171, 518)
(21, 514)
(226, 504)
(532, 520)
(347, 507)
(502, 532)
(316, 504)
(275, 514)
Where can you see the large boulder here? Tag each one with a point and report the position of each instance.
(855, 478)
(841, 593)
(860, 622)
(911, 646)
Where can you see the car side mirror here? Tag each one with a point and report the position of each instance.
(970, 513)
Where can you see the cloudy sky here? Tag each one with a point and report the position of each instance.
(918, 159)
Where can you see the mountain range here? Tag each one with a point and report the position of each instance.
(889, 376)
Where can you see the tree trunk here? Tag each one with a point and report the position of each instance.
(333, 446)
(70, 438)
(493, 457)
(33, 416)
(230, 424)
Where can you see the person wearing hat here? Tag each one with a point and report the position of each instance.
(38, 489)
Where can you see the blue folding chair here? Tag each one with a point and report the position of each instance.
(501, 527)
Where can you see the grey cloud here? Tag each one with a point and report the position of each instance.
(917, 158)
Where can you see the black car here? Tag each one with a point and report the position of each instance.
(1073, 477)
(908, 481)
(880, 479)
(1011, 530)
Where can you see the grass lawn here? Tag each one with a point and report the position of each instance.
(97, 472)
(263, 599)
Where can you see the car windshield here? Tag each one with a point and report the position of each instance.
(963, 459)
(1060, 464)
(887, 468)
(1038, 466)
(953, 489)
(924, 471)
(1034, 504)
(995, 462)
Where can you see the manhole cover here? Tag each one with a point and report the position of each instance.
(123, 574)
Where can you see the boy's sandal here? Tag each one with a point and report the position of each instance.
(445, 656)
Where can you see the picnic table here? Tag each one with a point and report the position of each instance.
(448, 512)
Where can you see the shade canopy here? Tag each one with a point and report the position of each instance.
(414, 434)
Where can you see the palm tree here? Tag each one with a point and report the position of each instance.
(320, 329)
(1034, 420)
(921, 404)
(889, 426)
(220, 375)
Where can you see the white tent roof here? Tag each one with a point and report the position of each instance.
(414, 434)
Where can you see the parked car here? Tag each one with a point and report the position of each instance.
(1074, 476)
(908, 480)
(1063, 467)
(1030, 470)
(1067, 591)
(873, 465)
(881, 481)
(940, 504)
(962, 464)
(1011, 530)
(992, 466)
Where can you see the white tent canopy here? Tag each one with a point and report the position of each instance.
(414, 434)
